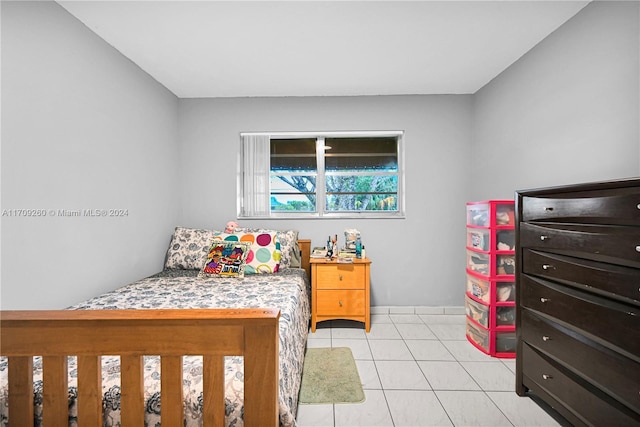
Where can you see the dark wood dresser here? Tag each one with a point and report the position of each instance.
(578, 300)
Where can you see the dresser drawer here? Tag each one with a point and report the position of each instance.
(610, 280)
(611, 322)
(615, 206)
(585, 402)
(341, 302)
(341, 276)
(613, 244)
(611, 372)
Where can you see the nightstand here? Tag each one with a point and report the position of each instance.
(340, 291)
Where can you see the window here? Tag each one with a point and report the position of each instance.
(321, 175)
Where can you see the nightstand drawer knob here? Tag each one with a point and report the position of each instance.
(543, 238)
(547, 267)
(546, 377)
(340, 302)
(340, 277)
(546, 338)
(544, 299)
(638, 248)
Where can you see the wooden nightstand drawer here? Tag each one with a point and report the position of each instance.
(341, 276)
(340, 291)
(341, 302)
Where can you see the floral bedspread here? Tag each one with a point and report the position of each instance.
(287, 290)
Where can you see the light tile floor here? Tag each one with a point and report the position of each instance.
(419, 370)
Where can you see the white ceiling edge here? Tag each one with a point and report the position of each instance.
(209, 49)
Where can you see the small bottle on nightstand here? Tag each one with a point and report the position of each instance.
(364, 255)
(359, 248)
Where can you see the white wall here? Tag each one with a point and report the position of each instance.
(567, 111)
(417, 261)
(82, 128)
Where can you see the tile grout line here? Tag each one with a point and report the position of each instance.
(449, 351)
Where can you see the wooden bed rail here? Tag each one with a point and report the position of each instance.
(131, 334)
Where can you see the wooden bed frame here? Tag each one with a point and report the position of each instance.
(56, 334)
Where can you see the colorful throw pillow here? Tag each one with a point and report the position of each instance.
(225, 259)
(188, 248)
(264, 255)
(289, 250)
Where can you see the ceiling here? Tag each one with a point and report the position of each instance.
(322, 48)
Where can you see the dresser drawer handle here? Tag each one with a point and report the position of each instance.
(548, 267)
(340, 302)
(638, 248)
(548, 208)
(638, 206)
(546, 377)
(546, 338)
(544, 299)
(543, 237)
(340, 277)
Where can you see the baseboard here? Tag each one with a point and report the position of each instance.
(382, 309)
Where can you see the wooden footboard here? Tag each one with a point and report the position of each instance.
(132, 334)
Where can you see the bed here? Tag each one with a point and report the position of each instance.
(218, 350)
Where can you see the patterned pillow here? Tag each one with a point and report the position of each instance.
(264, 256)
(188, 248)
(225, 259)
(289, 250)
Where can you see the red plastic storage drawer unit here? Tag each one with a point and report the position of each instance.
(490, 291)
